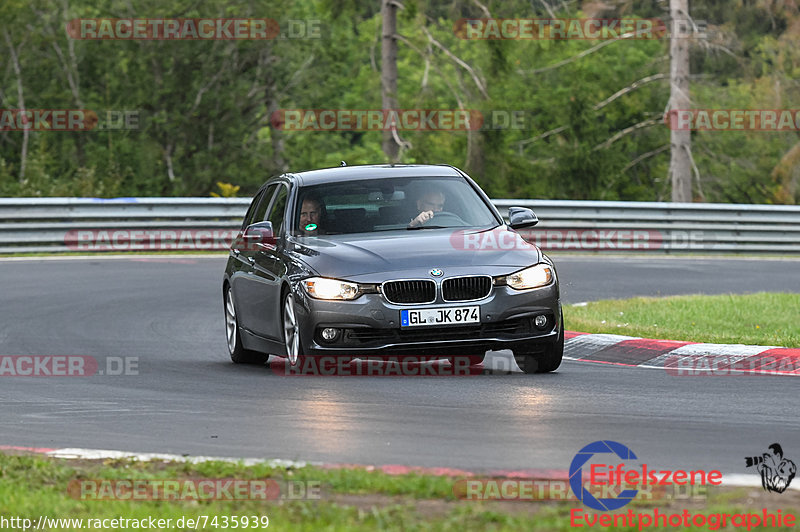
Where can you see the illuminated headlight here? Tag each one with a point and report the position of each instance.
(321, 288)
(533, 277)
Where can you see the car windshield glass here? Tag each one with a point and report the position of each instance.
(367, 206)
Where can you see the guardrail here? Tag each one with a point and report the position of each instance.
(89, 224)
(663, 227)
(29, 225)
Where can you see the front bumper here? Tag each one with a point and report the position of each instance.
(370, 325)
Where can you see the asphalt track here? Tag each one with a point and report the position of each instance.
(189, 399)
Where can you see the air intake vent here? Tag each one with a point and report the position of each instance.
(466, 288)
(413, 291)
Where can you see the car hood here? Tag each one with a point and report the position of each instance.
(491, 251)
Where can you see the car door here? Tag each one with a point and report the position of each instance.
(243, 282)
(268, 270)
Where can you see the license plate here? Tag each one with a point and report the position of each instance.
(440, 316)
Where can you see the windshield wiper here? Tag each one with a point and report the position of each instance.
(427, 227)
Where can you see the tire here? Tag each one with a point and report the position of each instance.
(473, 360)
(291, 332)
(239, 355)
(546, 361)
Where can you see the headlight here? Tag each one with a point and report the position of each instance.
(322, 288)
(533, 277)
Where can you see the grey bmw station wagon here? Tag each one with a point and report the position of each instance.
(388, 261)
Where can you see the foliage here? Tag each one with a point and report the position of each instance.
(204, 108)
(226, 190)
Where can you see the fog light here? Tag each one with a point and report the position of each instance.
(540, 321)
(329, 334)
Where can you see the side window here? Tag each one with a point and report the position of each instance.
(248, 218)
(259, 215)
(278, 210)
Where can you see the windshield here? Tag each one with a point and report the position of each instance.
(408, 203)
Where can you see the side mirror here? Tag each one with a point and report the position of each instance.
(521, 217)
(259, 233)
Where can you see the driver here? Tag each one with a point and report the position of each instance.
(311, 214)
(428, 204)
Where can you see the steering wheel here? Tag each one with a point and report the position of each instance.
(447, 218)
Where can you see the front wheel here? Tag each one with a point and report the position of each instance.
(291, 332)
(239, 355)
(546, 361)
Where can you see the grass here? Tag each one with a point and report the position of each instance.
(756, 319)
(32, 486)
(350, 499)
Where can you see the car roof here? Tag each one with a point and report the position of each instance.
(373, 171)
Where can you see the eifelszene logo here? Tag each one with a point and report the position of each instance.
(610, 475)
(776, 471)
(576, 475)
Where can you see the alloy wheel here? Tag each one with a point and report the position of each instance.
(290, 330)
(230, 321)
